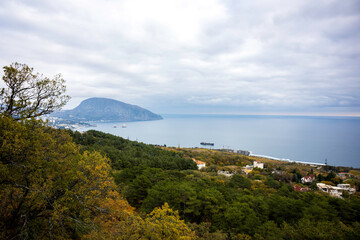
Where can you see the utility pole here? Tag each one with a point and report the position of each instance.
(326, 166)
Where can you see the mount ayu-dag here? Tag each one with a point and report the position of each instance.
(105, 109)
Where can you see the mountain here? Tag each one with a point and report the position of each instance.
(105, 109)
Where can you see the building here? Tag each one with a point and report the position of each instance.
(226, 150)
(297, 188)
(331, 190)
(243, 152)
(335, 191)
(258, 164)
(308, 179)
(226, 173)
(199, 164)
(344, 175)
(247, 169)
(347, 187)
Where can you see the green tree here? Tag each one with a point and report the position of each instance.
(269, 230)
(241, 218)
(203, 231)
(272, 183)
(137, 190)
(30, 95)
(212, 202)
(284, 209)
(239, 181)
(181, 196)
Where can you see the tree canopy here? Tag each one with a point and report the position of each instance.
(47, 188)
(51, 190)
(28, 95)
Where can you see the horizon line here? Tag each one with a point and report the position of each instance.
(354, 115)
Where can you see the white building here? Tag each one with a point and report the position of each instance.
(347, 187)
(199, 164)
(335, 191)
(226, 173)
(258, 165)
(332, 190)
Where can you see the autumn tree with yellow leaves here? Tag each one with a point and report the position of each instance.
(47, 188)
(164, 223)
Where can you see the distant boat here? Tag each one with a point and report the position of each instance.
(114, 126)
(207, 144)
(123, 126)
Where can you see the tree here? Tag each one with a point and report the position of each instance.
(164, 223)
(203, 232)
(239, 181)
(179, 195)
(241, 218)
(269, 230)
(30, 95)
(48, 190)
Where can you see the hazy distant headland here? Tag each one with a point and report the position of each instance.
(105, 109)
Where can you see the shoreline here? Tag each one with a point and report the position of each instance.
(170, 140)
(287, 160)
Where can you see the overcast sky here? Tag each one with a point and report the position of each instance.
(194, 56)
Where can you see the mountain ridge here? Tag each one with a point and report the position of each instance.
(107, 109)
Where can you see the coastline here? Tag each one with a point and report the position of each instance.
(286, 160)
(291, 139)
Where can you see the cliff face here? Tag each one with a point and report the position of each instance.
(105, 109)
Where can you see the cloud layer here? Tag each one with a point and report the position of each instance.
(207, 56)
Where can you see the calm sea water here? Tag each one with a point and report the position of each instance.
(304, 139)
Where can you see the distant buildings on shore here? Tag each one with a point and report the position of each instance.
(59, 123)
(242, 152)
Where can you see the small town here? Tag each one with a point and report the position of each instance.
(336, 183)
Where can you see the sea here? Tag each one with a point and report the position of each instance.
(335, 140)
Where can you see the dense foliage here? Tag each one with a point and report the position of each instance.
(242, 206)
(219, 207)
(56, 184)
(49, 190)
(127, 154)
(216, 157)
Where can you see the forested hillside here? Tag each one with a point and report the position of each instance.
(58, 184)
(51, 190)
(127, 154)
(260, 206)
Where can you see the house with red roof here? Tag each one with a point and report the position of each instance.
(199, 164)
(298, 188)
(308, 179)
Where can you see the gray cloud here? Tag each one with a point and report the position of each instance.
(185, 56)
